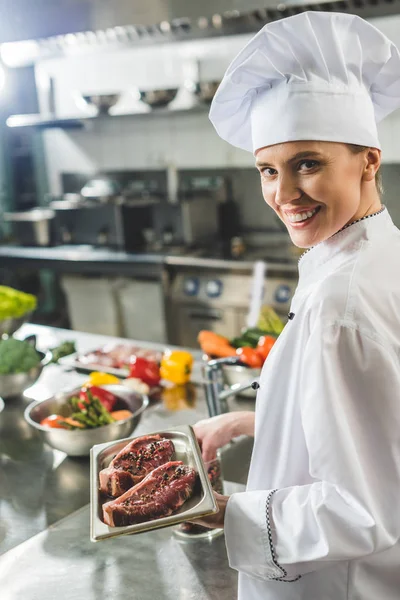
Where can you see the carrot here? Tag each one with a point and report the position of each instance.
(205, 335)
(71, 421)
(215, 345)
(120, 415)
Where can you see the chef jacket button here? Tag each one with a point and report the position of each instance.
(291, 316)
(255, 385)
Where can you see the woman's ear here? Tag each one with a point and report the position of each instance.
(372, 164)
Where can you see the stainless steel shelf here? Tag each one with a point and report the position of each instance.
(41, 122)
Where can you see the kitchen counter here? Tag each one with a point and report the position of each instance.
(44, 516)
(80, 259)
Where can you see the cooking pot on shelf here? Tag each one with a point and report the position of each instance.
(101, 188)
(32, 227)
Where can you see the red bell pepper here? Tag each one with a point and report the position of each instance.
(107, 398)
(147, 371)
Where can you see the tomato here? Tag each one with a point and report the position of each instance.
(107, 399)
(264, 345)
(53, 421)
(250, 357)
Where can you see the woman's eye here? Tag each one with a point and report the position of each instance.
(307, 165)
(268, 172)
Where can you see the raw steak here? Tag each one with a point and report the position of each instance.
(161, 493)
(134, 462)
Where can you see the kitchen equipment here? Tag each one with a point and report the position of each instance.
(204, 90)
(189, 222)
(119, 225)
(92, 304)
(142, 309)
(101, 188)
(215, 390)
(15, 385)
(103, 102)
(10, 325)
(237, 376)
(158, 98)
(79, 442)
(217, 297)
(32, 227)
(193, 219)
(114, 211)
(187, 450)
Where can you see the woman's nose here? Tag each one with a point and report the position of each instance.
(287, 190)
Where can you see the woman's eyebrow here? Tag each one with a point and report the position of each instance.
(298, 156)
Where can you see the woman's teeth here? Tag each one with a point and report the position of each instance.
(295, 218)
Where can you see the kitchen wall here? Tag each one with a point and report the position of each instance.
(179, 140)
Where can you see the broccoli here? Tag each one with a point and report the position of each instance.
(14, 304)
(17, 356)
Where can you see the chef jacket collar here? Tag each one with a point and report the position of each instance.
(334, 250)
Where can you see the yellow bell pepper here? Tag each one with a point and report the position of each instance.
(98, 378)
(176, 366)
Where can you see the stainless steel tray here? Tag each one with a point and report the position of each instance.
(72, 362)
(187, 450)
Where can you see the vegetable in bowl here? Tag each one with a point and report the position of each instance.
(92, 407)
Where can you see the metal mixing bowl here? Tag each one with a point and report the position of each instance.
(103, 102)
(10, 326)
(76, 442)
(15, 385)
(205, 90)
(236, 374)
(158, 98)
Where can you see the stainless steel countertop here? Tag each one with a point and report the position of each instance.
(87, 258)
(39, 486)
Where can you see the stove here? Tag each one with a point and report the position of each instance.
(218, 298)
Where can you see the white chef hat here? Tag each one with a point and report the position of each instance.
(314, 76)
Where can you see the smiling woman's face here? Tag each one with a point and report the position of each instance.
(316, 188)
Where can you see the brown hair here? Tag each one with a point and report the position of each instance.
(355, 149)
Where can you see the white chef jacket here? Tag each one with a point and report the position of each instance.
(320, 519)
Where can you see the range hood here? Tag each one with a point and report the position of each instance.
(30, 31)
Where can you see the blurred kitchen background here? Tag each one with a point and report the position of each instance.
(120, 206)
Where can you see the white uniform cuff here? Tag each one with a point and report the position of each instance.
(247, 536)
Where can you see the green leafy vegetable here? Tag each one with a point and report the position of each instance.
(14, 304)
(17, 356)
(63, 349)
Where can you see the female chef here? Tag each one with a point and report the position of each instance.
(320, 517)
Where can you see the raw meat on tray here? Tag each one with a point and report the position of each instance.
(136, 460)
(118, 356)
(161, 493)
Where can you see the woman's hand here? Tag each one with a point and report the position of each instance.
(218, 431)
(215, 521)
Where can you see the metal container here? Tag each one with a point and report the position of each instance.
(236, 376)
(10, 325)
(103, 102)
(15, 385)
(158, 98)
(187, 450)
(32, 227)
(204, 90)
(79, 442)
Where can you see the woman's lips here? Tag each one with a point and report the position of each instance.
(306, 221)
